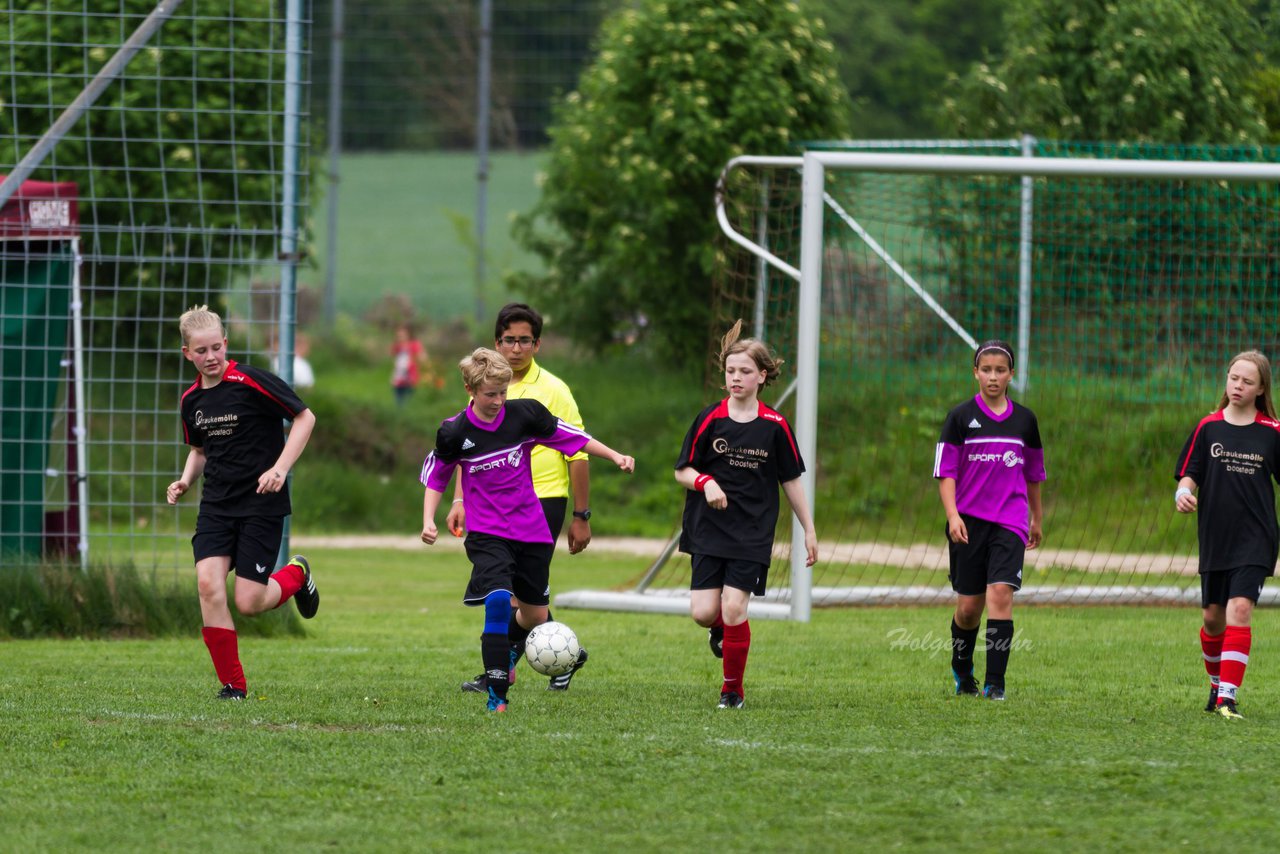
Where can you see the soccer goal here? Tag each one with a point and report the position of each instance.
(1124, 276)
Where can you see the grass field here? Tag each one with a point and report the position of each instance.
(356, 738)
(399, 217)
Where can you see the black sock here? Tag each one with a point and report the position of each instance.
(963, 642)
(517, 635)
(999, 642)
(494, 653)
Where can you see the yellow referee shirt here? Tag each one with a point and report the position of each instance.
(550, 467)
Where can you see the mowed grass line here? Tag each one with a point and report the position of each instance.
(357, 737)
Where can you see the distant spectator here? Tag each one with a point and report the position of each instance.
(409, 364)
(303, 375)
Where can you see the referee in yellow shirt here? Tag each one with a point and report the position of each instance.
(517, 336)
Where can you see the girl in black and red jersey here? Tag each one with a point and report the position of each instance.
(1231, 458)
(231, 418)
(736, 453)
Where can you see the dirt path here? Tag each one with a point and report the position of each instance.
(919, 556)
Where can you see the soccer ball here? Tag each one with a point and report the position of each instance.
(552, 649)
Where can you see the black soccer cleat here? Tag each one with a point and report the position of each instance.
(731, 700)
(993, 692)
(479, 685)
(715, 638)
(1227, 709)
(230, 692)
(561, 682)
(307, 598)
(966, 685)
(1212, 705)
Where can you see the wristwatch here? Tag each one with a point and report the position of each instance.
(584, 515)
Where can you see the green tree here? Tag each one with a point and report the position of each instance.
(1119, 70)
(625, 224)
(894, 56)
(1141, 78)
(176, 164)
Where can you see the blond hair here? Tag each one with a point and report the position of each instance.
(198, 318)
(766, 361)
(1263, 400)
(484, 366)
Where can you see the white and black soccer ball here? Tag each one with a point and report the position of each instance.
(552, 649)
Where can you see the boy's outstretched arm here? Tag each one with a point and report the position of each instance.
(596, 448)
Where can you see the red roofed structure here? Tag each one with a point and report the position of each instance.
(41, 210)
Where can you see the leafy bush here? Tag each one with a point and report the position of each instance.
(625, 226)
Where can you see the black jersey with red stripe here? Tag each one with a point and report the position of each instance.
(748, 460)
(238, 425)
(1234, 467)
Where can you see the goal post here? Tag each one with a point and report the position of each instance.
(1138, 275)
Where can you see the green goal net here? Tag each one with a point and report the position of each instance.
(1124, 296)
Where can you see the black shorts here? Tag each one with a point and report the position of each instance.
(711, 573)
(1217, 588)
(520, 569)
(252, 542)
(993, 555)
(554, 509)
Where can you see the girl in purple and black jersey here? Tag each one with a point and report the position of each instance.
(1232, 457)
(734, 457)
(989, 464)
(508, 540)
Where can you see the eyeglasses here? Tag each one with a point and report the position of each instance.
(523, 341)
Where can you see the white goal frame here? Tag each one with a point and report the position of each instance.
(814, 166)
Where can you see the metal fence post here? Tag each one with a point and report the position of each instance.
(1025, 249)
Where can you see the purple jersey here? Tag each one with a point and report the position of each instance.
(497, 483)
(992, 459)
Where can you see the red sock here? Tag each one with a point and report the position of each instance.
(1211, 646)
(1235, 658)
(224, 649)
(289, 577)
(737, 643)
(719, 623)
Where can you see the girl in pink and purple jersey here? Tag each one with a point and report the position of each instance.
(989, 465)
(508, 540)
